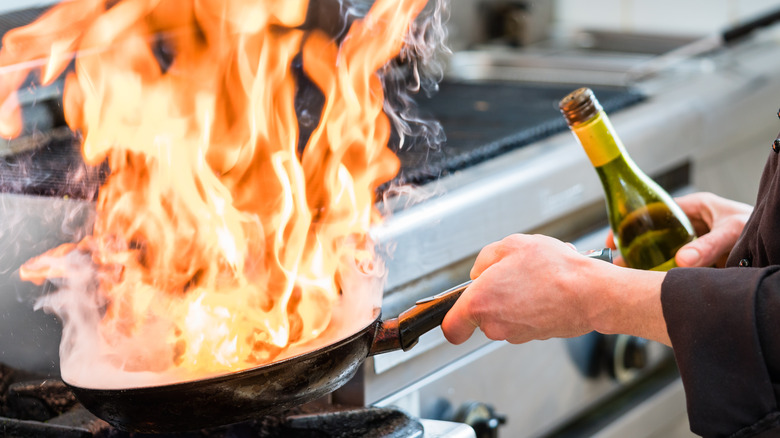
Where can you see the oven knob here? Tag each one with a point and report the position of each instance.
(481, 417)
(629, 356)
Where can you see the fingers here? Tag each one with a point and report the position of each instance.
(708, 249)
(692, 204)
(510, 296)
(488, 256)
(495, 251)
(610, 242)
(458, 324)
(718, 222)
(689, 256)
(698, 208)
(618, 260)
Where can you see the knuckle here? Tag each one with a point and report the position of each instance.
(707, 197)
(703, 198)
(512, 241)
(494, 332)
(470, 308)
(503, 247)
(734, 226)
(488, 249)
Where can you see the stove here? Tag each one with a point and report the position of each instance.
(36, 406)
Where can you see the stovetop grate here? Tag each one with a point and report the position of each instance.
(39, 407)
(484, 120)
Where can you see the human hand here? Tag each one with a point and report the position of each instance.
(717, 221)
(536, 287)
(525, 287)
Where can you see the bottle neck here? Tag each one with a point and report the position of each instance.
(599, 140)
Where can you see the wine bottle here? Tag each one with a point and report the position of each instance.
(649, 227)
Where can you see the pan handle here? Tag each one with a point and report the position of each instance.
(428, 313)
(403, 332)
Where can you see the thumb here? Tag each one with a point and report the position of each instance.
(458, 325)
(704, 251)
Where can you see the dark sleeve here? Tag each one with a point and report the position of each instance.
(725, 332)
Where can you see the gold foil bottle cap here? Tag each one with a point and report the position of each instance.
(579, 106)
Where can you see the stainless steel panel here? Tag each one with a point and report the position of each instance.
(662, 415)
(535, 385)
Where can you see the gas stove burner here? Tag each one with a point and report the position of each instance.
(33, 406)
(363, 422)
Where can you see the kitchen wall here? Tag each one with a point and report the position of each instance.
(729, 174)
(688, 16)
(679, 17)
(685, 17)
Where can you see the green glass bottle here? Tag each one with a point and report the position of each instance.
(649, 226)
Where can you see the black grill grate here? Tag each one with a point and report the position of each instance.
(37, 407)
(483, 121)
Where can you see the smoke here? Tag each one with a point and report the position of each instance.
(49, 163)
(418, 69)
(30, 225)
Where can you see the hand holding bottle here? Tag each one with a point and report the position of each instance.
(649, 227)
(718, 223)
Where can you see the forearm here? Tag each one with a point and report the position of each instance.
(627, 301)
(520, 296)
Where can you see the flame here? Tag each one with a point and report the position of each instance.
(216, 240)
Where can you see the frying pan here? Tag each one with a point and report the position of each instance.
(271, 388)
(266, 389)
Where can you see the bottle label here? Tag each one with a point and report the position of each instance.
(598, 140)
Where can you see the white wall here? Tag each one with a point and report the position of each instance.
(682, 17)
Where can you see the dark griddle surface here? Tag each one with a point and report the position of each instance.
(482, 121)
(53, 168)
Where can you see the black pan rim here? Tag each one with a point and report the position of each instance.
(236, 375)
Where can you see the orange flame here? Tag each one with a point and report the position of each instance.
(213, 233)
